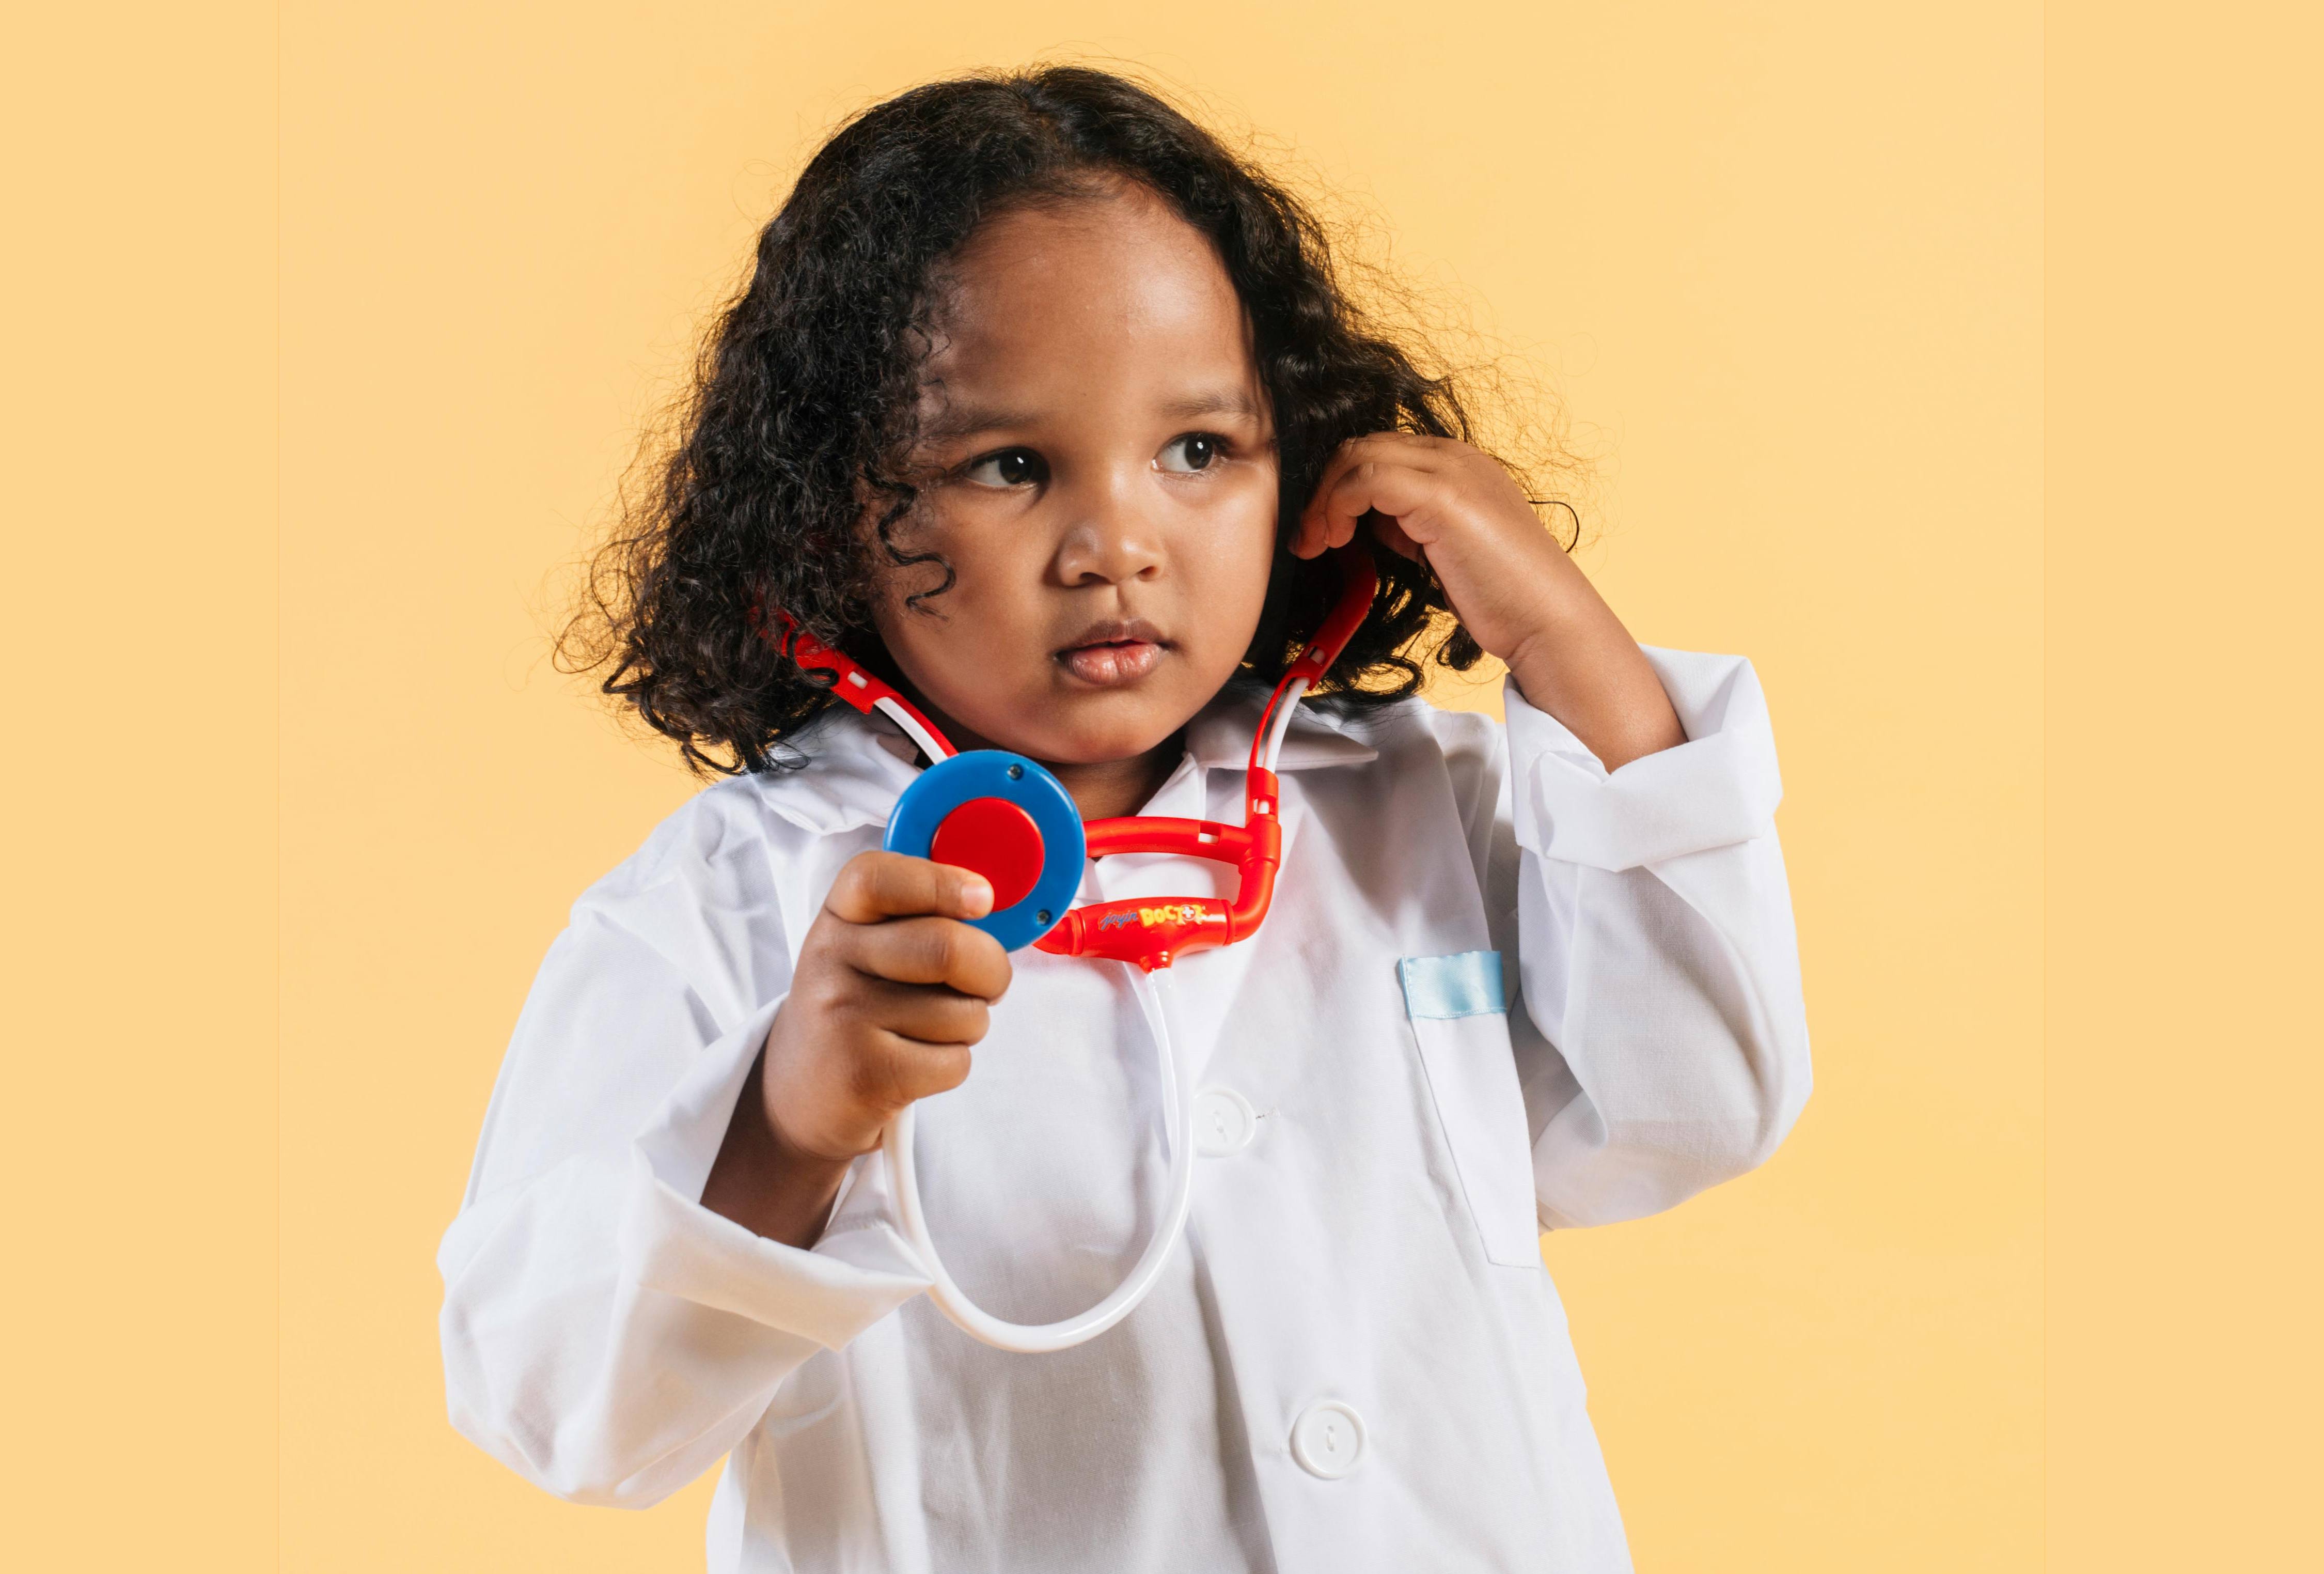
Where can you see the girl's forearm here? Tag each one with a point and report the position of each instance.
(1581, 666)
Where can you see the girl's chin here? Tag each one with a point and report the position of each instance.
(1119, 727)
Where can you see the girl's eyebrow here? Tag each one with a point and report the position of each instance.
(966, 420)
(956, 421)
(1216, 402)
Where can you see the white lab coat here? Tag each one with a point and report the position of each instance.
(1356, 1359)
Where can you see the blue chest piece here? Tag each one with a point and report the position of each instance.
(1010, 821)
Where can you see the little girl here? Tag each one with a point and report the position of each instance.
(1046, 409)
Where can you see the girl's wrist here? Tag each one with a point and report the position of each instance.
(1582, 667)
(765, 1183)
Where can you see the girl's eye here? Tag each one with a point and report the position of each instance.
(1008, 467)
(1197, 450)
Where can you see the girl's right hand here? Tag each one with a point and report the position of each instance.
(890, 990)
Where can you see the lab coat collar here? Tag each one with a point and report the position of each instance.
(856, 766)
(860, 763)
(1219, 737)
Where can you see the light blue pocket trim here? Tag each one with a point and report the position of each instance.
(1465, 983)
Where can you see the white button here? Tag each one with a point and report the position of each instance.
(1224, 1122)
(1328, 1438)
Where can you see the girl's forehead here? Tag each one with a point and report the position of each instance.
(1106, 289)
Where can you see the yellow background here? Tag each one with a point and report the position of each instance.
(426, 269)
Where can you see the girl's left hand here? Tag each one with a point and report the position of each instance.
(1444, 504)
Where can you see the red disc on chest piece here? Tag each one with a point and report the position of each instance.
(998, 840)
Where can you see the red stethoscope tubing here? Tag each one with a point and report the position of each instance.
(1254, 847)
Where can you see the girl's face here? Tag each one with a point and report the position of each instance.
(1104, 485)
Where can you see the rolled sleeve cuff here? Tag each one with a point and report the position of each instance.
(1718, 788)
(673, 1245)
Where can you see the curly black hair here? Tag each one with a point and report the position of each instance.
(802, 400)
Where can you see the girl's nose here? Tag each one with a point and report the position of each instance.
(1111, 539)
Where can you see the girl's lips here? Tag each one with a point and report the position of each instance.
(1114, 663)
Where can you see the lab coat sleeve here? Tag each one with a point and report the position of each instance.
(1661, 1039)
(604, 1334)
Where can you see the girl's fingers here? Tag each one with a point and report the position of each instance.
(932, 951)
(1392, 536)
(1406, 452)
(928, 1014)
(872, 886)
(895, 1070)
(1309, 537)
(1385, 486)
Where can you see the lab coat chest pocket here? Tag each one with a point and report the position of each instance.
(1459, 1021)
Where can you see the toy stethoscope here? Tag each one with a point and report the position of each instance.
(1008, 819)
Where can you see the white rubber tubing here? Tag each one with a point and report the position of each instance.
(1027, 1338)
(1283, 707)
